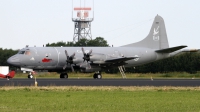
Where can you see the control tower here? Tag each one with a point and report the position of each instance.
(82, 23)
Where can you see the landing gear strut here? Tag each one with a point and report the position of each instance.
(64, 75)
(97, 75)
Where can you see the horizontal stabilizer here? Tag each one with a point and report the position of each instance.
(113, 60)
(170, 50)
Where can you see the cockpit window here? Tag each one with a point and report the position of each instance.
(21, 52)
(24, 52)
(27, 53)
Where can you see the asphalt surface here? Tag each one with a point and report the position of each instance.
(101, 82)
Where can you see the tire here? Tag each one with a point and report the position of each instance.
(30, 76)
(95, 76)
(64, 75)
(61, 75)
(99, 76)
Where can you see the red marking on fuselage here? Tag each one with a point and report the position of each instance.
(45, 60)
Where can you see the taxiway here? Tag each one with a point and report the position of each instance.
(101, 82)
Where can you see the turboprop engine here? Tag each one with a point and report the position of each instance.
(86, 68)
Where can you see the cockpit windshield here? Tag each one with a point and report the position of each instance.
(27, 53)
(24, 52)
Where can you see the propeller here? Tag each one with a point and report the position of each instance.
(69, 60)
(86, 57)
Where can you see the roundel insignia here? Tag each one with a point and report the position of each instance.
(136, 59)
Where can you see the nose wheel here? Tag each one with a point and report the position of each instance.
(97, 75)
(30, 76)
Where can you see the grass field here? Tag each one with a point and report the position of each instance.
(106, 75)
(100, 99)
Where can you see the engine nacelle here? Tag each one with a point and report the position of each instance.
(89, 70)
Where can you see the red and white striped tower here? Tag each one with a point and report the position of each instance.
(82, 23)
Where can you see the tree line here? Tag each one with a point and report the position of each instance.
(184, 62)
(5, 54)
(97, 42)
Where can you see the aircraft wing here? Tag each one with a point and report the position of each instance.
(121, 59)
(115, 61)
(170, 50)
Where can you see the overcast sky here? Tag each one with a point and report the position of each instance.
(120, 22)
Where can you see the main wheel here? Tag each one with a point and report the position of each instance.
(64, 75)
(61, 75)
(97, 76)
(30, 76)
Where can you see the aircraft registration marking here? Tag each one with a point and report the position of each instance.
(156, 31)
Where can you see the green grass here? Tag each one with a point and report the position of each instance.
(118, 75)
(100, 99)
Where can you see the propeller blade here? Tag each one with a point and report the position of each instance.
(89, 65)
(64, 67)
(66, 54)
(83, 54)
(72, 68)
(83, 51)
(72, 55)
(90, 52)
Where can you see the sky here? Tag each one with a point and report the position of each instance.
(120, 22)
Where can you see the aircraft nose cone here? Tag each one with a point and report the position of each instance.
(14, 60)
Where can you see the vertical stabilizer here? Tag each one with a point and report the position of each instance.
(157, 37)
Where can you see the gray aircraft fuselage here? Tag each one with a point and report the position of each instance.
(54, 57)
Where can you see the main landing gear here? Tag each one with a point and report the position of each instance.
(97, 75)
(64, 75)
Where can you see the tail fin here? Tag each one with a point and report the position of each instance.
(157, 38)
(11, 74)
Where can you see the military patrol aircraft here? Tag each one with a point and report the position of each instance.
(93, 59)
